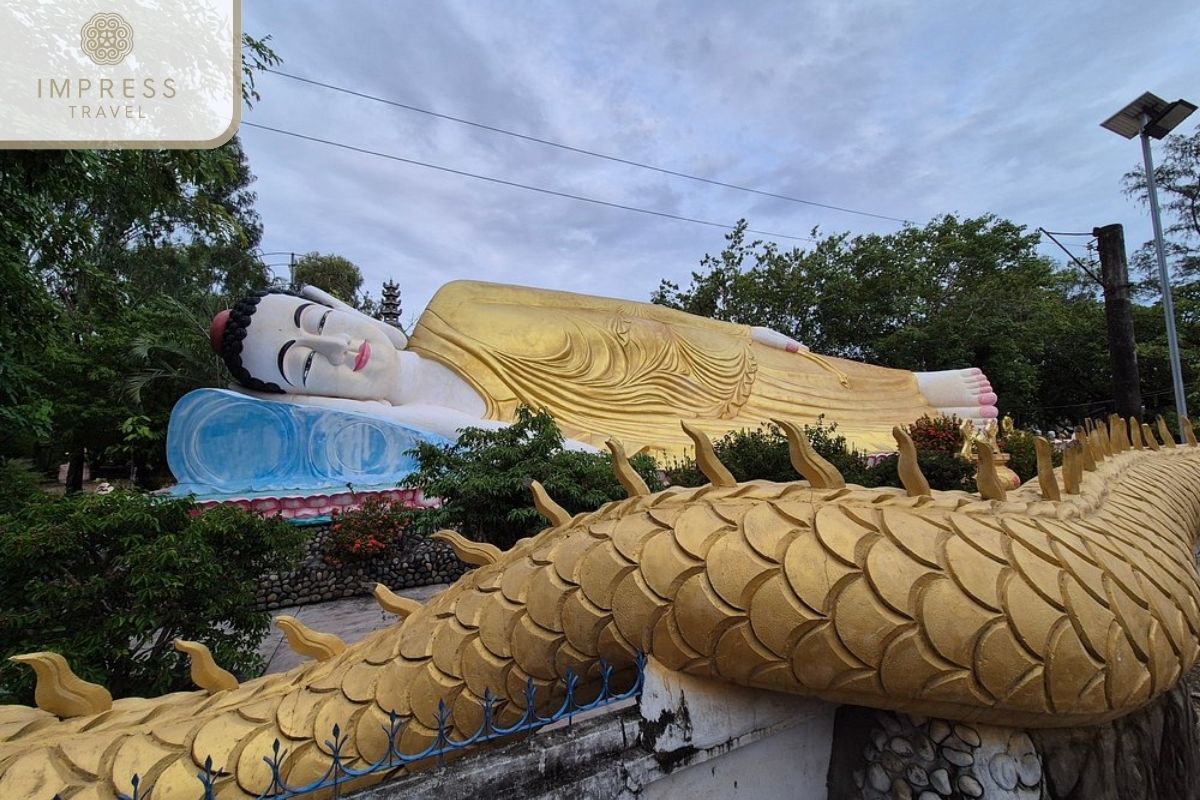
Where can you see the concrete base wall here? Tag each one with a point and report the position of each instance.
(689, 738)
(692, 738)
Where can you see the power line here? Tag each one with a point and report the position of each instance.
(580, 150)
(514, 184)
(1072, 256)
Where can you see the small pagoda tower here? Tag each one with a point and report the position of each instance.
(389, 306)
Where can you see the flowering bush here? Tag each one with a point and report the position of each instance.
(936, 434)
(364, 533)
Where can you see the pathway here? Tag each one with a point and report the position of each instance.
(351, 618)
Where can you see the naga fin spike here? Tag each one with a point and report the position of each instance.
(1077, 470)
(555, 514)
(1045, 469)
(60, 691)
(819, 473)
(1135, 434)
(1106, 439)
(477, 554)
(1189, 433)
(1117, 432)
(1168, 439)
(911, 477)
(393, 603)
(986, 479)
(706, 458)
(308, 642)
(206, 673)
(632, 482)
(1148, 436)
(1072, 467)
(1086, 453)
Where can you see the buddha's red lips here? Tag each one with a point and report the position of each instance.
(364, 355)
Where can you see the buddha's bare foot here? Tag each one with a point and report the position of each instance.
(965, 393)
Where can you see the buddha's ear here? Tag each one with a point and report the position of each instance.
(394, 334)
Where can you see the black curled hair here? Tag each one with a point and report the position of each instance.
(240, 318)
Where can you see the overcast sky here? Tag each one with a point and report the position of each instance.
(904, 109)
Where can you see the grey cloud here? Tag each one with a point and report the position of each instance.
(908, 109)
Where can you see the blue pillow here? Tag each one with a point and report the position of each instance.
(222, 442)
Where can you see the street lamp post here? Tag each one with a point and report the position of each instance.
(1151, 116)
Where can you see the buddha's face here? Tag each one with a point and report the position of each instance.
(308, 348)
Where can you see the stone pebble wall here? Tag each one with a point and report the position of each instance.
(416, 561)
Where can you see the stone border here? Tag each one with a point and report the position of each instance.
(416, 561)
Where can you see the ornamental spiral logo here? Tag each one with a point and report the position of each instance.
(106, 38)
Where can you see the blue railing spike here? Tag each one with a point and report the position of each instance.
(135, 781)
(340, 772)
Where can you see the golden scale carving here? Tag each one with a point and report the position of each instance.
(1070, 600)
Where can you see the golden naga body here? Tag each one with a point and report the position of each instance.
(1018, 611)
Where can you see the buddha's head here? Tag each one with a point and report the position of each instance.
(281, 343)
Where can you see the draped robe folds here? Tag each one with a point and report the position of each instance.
(631, 371)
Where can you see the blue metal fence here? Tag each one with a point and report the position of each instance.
(340, 772)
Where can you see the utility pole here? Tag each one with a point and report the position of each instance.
(1118, 314)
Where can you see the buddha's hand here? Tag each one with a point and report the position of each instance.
(394, 335)
(770, 338)
(776, 339)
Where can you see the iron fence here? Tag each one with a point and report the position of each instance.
(340, 772)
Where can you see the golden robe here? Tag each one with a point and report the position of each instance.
(628, 370)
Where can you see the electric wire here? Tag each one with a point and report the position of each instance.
(583, 151)
(516, 185)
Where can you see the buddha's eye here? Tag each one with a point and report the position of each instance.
(308, 365)
(321, 324)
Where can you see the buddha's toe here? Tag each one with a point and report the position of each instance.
(964, 393)
(956, 388)
(976, 413)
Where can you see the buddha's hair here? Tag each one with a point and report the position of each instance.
(240, 318)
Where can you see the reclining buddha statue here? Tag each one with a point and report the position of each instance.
(1070, 601)
(602, 367)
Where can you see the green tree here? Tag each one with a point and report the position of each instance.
(335, 274)
(85, 258)
(110, 581)
(1177, 175)
(953, 293)
(483, 479)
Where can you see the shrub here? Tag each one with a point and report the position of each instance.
(762, 454)
(109, 581)
(483, 479)
(1023, 453)
(365, 532)
(936, 434)
(19, 486)
(942, 470)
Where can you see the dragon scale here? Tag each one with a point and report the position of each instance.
(1023, 612)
